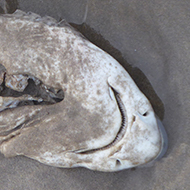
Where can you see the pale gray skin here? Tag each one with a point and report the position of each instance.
(85, 128)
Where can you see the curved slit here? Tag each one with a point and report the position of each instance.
(121, 131)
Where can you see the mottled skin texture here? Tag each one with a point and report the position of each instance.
(88, 117)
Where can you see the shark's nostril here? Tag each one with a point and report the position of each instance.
(118, 163)
(145, 114)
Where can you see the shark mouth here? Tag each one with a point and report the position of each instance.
(122, 129)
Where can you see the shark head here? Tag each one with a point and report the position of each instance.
(102, 122)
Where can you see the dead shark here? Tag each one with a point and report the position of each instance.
(103, 122)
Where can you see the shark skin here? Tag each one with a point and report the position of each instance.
(104, 122)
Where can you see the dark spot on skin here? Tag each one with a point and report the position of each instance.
(134, 118)
(98, 92)
(39, 60)
(65, 79)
